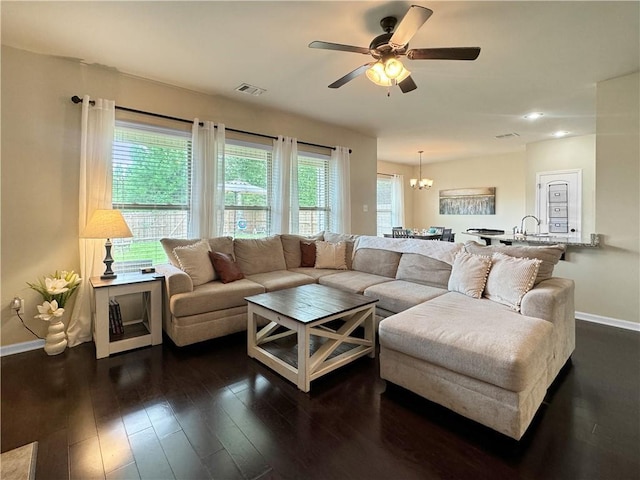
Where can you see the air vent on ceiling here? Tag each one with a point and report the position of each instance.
(250, 89)
(508, 135)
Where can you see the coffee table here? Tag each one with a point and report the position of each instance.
(311, 311)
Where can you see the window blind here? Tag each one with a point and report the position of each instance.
(152, 188)
(383, 209)
(313, 193)
(247, 187)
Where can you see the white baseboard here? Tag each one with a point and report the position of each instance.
(21, 347)
(611, 322)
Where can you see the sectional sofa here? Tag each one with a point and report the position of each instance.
(481, 330)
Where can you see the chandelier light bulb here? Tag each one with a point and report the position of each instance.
(393, 68)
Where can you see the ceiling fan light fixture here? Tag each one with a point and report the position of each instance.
(404, 74)
(376, 75)
(393, 68)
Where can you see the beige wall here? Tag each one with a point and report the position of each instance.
(615, 290)
(40, 161)
(390, 168)
(505, 172)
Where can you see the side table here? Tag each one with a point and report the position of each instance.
(141, 332)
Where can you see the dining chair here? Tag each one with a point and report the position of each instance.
(400, 233)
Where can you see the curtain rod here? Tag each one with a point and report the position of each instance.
(387, 174)
(76, 99)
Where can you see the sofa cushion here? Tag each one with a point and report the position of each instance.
(469, 274)
(331, 255)
(550, 255)
(280, 279)
(417, 268)
(313, 272)
(226, 267)
(474, 337)
(213, 296)
(291, 247)
(352, 281)
(399, 295)
(376, 262)
(343, 237)
(194, 261)
(510, 278)
(259, 255)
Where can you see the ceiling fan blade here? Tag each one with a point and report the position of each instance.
(409, 25)
(339, 47)
(350, 76)
(407, 85)
(453, 53)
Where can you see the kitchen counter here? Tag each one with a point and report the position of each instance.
(539, 239)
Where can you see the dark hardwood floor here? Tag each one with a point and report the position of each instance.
(208, 411)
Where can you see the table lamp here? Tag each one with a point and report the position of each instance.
(107, 224)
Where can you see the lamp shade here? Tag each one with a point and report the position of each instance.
(106, 224)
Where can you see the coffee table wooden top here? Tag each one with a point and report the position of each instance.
(309, 303)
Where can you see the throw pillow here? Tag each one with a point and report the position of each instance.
(308, 254)
(225, 265)
(194, 261)
(510, 278)
(168, 244)
(331, 255)
(469, 274)
(349, 241)
(549, 254)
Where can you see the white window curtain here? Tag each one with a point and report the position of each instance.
(207, 180)
(98, 123)
(285, 207)
(397, 200)
(340, 190)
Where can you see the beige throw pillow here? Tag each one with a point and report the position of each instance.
(510, 278)
(194, 261)
(549, 254)
(469, 274)
(331, 255)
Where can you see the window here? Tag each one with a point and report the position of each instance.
(384, 205)
(247, 181)
(152, 188)
(313, 193)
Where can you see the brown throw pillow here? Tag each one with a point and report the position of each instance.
(308, 252)
(226, 267)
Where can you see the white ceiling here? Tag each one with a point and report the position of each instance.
(536, 56)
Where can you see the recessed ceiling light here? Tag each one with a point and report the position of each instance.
(534, 115)
(560, 133)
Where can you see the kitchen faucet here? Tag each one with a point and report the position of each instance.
(522, 230)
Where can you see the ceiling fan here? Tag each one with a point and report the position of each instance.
(387, 69)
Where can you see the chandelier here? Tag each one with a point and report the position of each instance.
(421, 183)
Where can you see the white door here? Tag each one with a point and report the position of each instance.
(559, 202)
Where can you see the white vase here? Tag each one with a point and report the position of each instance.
(56, 340)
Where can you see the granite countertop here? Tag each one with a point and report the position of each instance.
(541, 239)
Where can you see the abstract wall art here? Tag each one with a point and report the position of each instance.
(468, 201)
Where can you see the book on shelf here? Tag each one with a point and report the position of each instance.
(115, 318)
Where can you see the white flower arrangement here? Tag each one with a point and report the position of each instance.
(55, 291)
